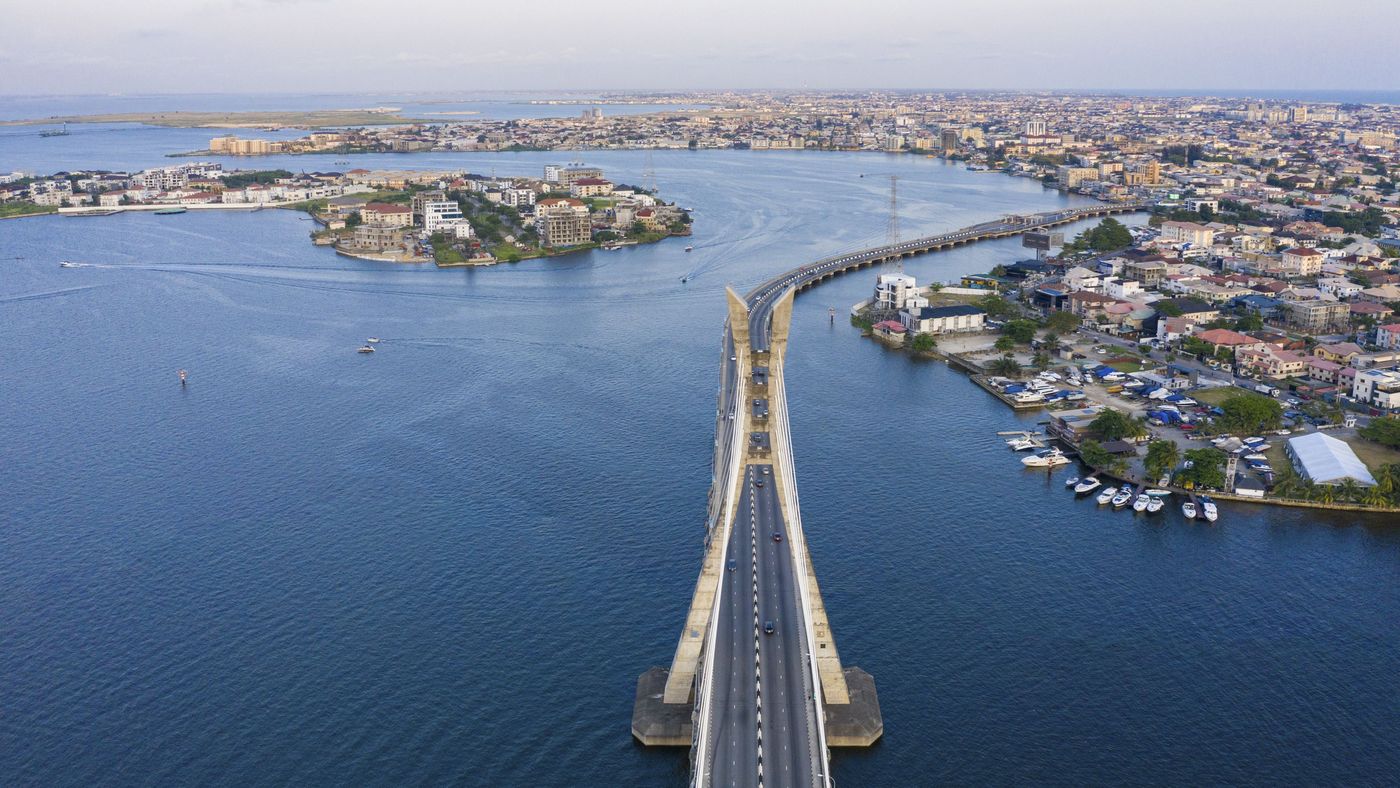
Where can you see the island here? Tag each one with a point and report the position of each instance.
(451, 218)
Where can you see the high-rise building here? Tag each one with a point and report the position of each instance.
(1036, 128)
(562, 221)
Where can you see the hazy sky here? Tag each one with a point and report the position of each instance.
(99, 46)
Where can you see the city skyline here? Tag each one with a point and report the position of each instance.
(240, 46)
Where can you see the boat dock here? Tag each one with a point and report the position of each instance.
(981, 380)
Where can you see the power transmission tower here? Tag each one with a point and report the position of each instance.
(648, 174)
(892, 223)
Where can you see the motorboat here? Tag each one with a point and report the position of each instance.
(1049, 458)
(1256, 457)
(365, 349)
(1023, 444)
(1140, 502)
(688, 248)
(1189, 510)
(1071, 481)
(1029, 396)
(1086, 485)
(1106, 495)
(1121, 498)
(685, 279)
(1208, 509)
(373, 340)
(68, 264)
(1154, 504)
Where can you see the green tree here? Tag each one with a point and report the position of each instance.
(923, 343)
(1004, 344)
(1384, 430)
(1207, 469)
(1349, 489)
(1162, 457)
(996, 307)
(1041, 360)
(1062, 322)
(1250, 413)
(1021, 331)
(1093, 454)
(1006, 366)
(353, 220)
(1112, 425)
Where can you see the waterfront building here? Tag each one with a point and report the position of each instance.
(893, 291)
(591, 187)
(957, 318)
(386, 214)
(562, 221)
(1197, 235)
(378, 237)
(1323, 459)
(440, 214)
(569, 175)
(420, 199)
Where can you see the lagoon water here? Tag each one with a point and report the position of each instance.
(447, 562)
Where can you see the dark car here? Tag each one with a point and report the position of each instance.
(777, 537)
(768, 627)
(732, 565)
(758, 483)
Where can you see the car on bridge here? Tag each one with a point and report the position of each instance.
(768, 627)
(777, 537)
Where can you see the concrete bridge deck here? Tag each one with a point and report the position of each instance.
(745, 700)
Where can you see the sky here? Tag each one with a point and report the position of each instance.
(260, 46)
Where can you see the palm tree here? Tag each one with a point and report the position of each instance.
(1374, 497)
(1288, 485)
(1349, 489)
(1323, 493)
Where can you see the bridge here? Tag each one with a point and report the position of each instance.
(756, 687)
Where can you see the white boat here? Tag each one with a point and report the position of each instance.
(1106, 495)
(1253, 440)
(1086, 485)
(1257, 457)
(1208, 509)
(373, 340)
(1140, 502)
(1023, 444)
(68, 264)
(1049, 458)
(1071, 481)
(1154, 504)
(365, 349)
(1189, 510)
(1258, 447)
(1121, 498)
(688, 248)
(1030, 396)
(1156, 493)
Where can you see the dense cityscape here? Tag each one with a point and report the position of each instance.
(422, 395)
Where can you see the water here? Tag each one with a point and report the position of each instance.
(449, 561)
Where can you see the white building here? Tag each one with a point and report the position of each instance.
(893, 291)
(438, 214)
(1323, 459)
(1379, 388)
(944, 319)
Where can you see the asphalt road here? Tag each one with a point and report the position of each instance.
(762, 723)
(762, 712)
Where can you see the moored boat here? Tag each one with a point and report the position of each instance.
(1154, 504)
(1140, 502)
(1071, 481)
(1208, 509)
(1188, 509)
(1086, 485)
(1121, 498)
(1106, 495)
(169, 211)
(1049, 458)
